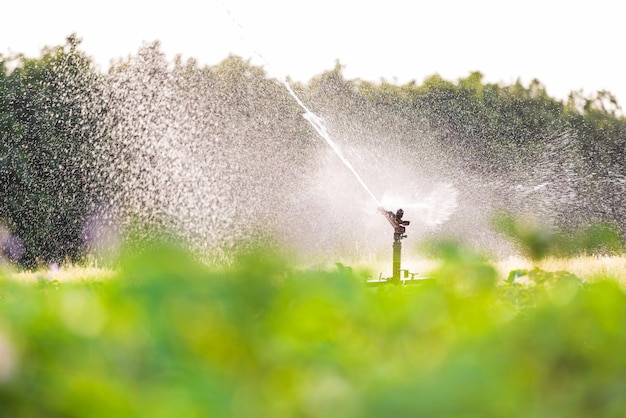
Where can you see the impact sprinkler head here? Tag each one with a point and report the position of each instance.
(399, 225)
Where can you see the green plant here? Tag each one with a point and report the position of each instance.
(171, 336)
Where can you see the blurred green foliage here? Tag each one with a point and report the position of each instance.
(538, 241)
(171, 337)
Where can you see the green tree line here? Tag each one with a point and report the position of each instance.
(46, 159)
(60, 118)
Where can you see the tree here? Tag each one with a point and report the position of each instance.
(46, 159)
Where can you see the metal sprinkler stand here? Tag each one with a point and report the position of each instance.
(399, 228)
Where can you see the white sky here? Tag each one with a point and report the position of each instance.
(566, 44)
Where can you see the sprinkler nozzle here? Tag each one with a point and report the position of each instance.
(399, 225)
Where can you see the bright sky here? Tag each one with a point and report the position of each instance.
(566, 44)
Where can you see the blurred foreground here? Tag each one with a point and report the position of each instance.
(165, 336)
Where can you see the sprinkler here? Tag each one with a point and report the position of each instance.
(399, 276)
(396, 221)
(399, 228)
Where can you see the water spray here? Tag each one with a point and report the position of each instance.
(319, 127)
(314, 120)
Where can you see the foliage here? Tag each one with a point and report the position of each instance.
(539, 241)
(48, 128)
(169, 336)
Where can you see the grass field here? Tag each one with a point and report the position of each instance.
(64, 274)
(588, 268)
